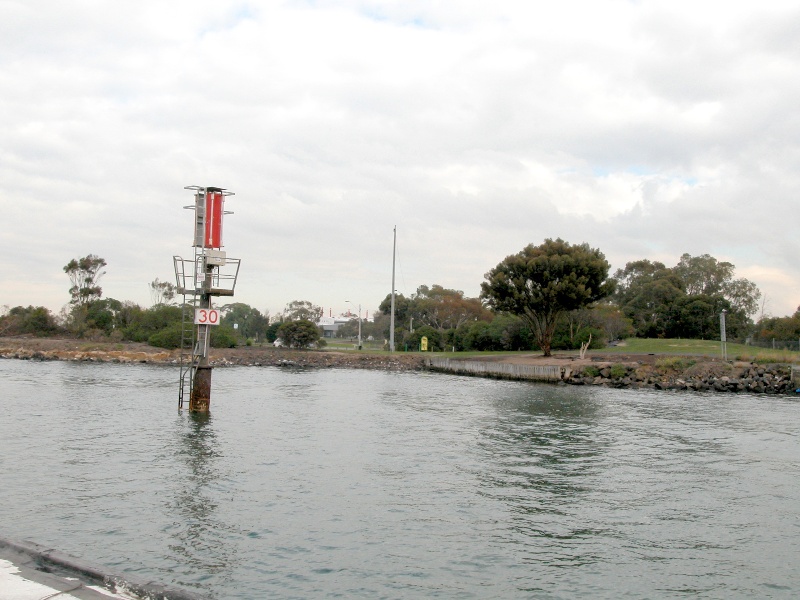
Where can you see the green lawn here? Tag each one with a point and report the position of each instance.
(708, 348)
(702, 348)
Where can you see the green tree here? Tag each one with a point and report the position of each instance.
(36, 320)
(540, 283)
(250, 321)
(650, 305)
(298, 310)
(629, 280)
(444, 309)
(707, 276)
(435, 338)
(140, 325)
(84, 275)
(161, 292)
(696, 316)
(299, 334)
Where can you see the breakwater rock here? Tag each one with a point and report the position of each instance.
(703, 376)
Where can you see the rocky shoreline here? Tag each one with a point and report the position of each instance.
(619, 371)
(709, 376)
(47, 349)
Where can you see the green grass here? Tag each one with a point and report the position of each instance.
(667, 348)
(711, 348)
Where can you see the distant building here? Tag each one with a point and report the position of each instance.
(330, 325)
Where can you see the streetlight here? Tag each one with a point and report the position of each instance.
(359, 323)
(723, 335)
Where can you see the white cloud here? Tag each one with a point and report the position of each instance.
(646, 129)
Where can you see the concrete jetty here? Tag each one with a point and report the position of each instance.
(30, 571)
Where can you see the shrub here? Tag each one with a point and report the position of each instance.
(299, 334)
(674, 363)
(591, 371)
(169, 337)
(618, 371)
(223, 337)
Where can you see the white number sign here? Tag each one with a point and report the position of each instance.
(206, 316)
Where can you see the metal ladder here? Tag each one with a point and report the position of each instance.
(191, 347)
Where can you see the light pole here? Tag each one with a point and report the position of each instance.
(359, 323)
(723, 335)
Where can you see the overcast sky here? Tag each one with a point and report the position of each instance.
(644, 128)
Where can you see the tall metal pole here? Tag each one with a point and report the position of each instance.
(391, 318)
(212, 273)
(359, 322)
(723, 335)
(200, 398)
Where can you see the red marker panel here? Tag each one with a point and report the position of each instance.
(213, 236)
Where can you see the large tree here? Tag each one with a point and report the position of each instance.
(298, 310)
(84, 274)
(541, 283)
(251, 323)
(161, 292)
(299, 334)
(705, 275)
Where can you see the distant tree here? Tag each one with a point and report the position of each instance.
(298, 310)
(444, 309)
(577, 327)
(612, 321)
(250, 321)
(628, 281)
(541, 283)
(139, 325)
(299, 334)
(271, 333)
(696, 316)
(707, 276)
(161, 292)
(671, 302)
(84, 274)
(648, 301)
(435, 338)
(36, 320)
(101, 314)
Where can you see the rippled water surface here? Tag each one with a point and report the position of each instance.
(338, 483)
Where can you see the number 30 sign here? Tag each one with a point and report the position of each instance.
(206, 316)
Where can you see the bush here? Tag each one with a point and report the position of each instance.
(223, 337)
(169, 337)
(299, 334)
(591, 371)
(674, 363)
(36, 320)
(618, 371)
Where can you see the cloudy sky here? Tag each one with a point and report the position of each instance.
(646, 128)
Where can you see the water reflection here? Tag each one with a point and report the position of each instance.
(544, 448)
(198, 531)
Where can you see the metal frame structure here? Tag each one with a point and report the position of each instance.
(207, 274)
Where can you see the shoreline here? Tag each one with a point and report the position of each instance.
(660, 372)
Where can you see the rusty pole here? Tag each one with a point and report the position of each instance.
(200, 399)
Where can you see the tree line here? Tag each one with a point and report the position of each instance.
(550, 296)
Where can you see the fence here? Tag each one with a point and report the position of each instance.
(496, 369)
(774, 344)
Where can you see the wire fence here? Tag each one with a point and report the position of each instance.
(775, 344)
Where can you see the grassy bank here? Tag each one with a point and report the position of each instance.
(708, 348)
(676, 347)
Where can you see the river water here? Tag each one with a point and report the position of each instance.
(364, 484)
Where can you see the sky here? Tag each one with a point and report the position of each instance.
(646, 129)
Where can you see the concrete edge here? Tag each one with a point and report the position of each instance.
(48, 559)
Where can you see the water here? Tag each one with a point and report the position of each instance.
(337, 483)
